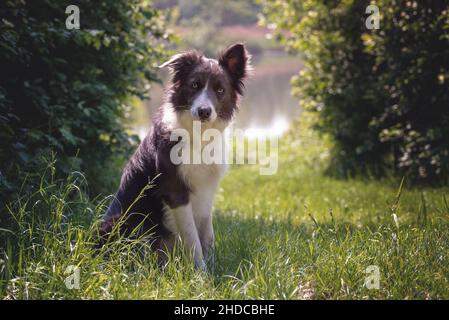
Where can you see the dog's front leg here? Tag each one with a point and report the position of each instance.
(207, 241)
(202, 208)
(206, 233)
(186, 226)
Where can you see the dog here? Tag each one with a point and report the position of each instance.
(179, 202)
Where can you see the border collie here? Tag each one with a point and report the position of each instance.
(179, 205)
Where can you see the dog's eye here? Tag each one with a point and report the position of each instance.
(195, 85)
(220, 90)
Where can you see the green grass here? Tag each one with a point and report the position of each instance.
(295, 235)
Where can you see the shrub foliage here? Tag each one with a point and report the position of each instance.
(68, 91)
(382, 95)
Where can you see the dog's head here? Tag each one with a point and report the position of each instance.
(208, 89)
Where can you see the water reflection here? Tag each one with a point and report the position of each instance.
(276, 129)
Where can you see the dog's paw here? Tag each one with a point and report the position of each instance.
(201, 265)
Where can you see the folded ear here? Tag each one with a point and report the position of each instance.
(181, 64)
(235, 60)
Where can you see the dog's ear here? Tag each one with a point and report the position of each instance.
(181, 64)
(236, 61)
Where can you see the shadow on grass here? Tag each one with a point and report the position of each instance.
(332, 255)
(241, 241)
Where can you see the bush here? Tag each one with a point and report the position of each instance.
(382, 95)
(68, 91)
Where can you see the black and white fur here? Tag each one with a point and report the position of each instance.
(180, 203)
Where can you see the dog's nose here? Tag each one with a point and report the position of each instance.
(204, 113)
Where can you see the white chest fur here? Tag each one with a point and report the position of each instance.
(201, 177)
(203, 182)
